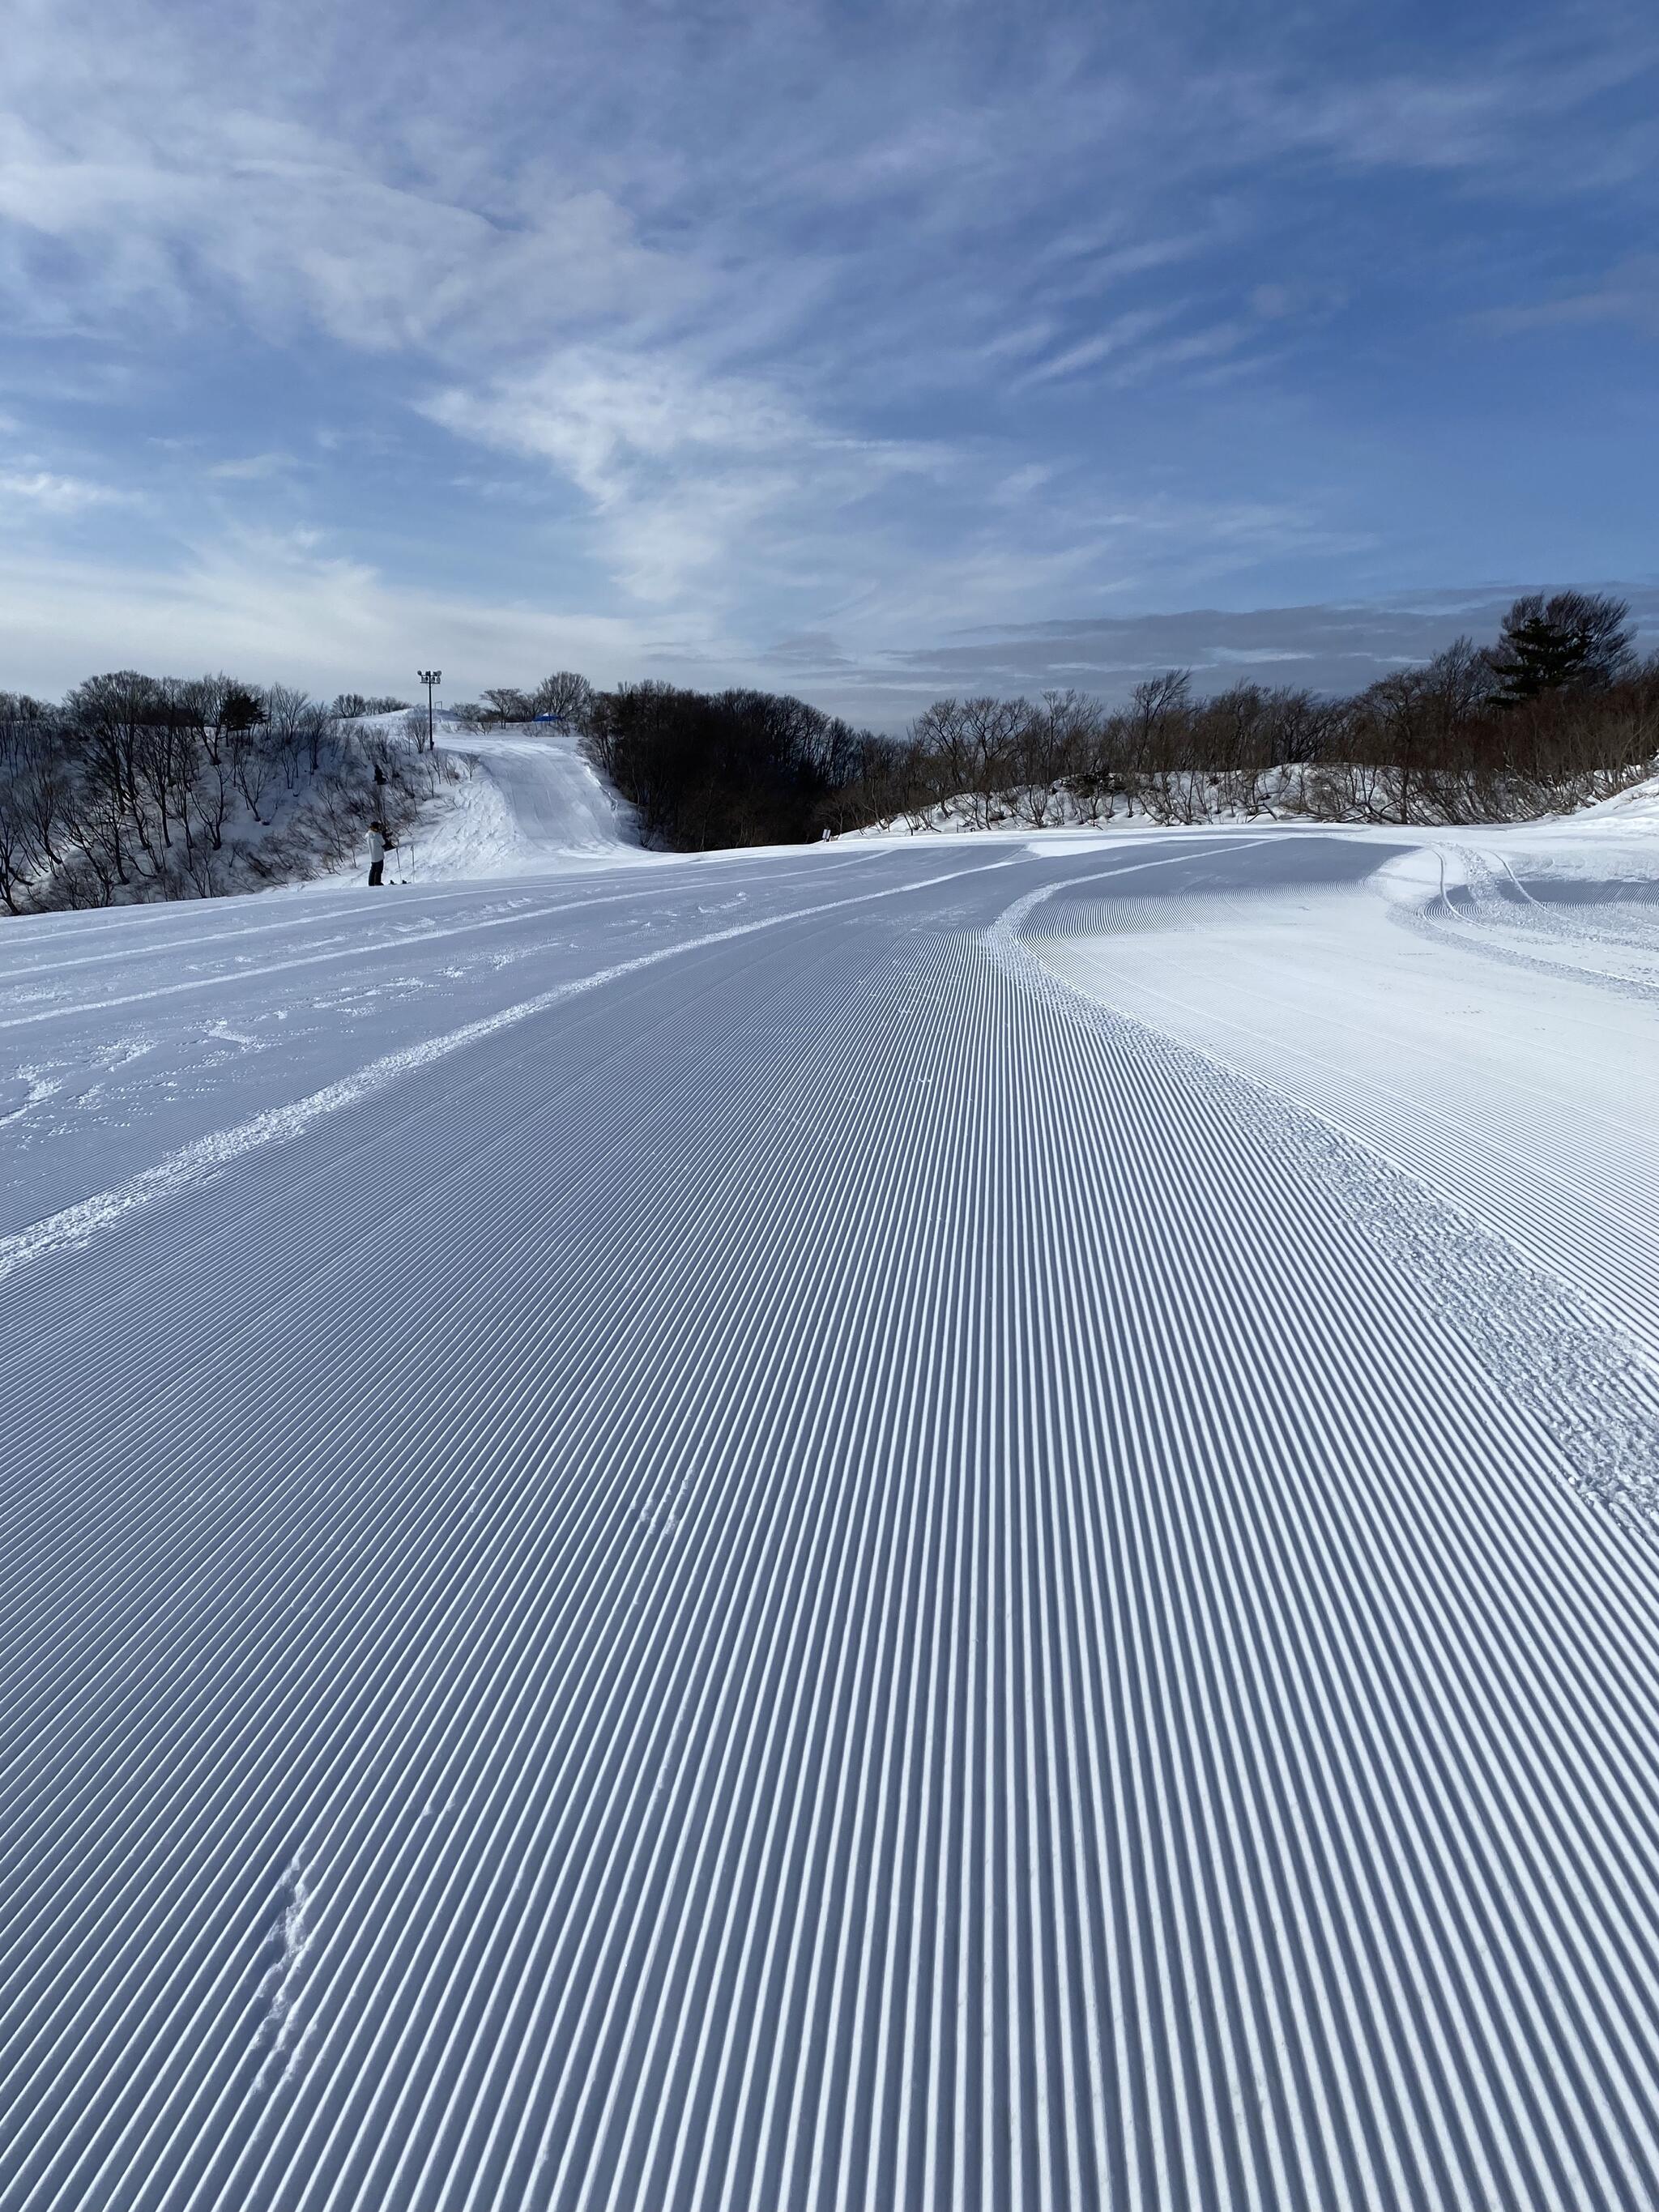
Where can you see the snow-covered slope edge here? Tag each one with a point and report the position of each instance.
(1189, 800)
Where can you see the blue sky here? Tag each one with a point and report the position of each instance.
(854, 349)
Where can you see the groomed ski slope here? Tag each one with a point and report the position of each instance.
(855, 1528)
(526, 802)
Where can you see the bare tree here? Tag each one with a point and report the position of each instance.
(1052, 744)
(254, 768)
(565, 695)
(974, 741)
(287, 718)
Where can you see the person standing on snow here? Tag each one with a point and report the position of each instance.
(378, 842)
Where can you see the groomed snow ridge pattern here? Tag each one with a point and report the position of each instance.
(823, 1576)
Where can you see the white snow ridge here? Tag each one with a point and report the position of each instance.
(916, 1524)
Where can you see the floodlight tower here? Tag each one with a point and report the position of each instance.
(432, 677)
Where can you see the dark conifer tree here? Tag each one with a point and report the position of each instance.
(1574, 642)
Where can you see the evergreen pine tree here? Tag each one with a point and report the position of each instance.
(1574, 640)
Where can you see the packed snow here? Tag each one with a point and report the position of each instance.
(920, 1522)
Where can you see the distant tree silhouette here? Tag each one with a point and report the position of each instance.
(730, 768)
(1573, 641)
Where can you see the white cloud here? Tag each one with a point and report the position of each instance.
(696, 477)
(54, 495)
(274, 607)
(161, 177)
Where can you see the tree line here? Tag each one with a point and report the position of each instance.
(1557, 711)
(136, 787)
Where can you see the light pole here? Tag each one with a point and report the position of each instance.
(431, 677)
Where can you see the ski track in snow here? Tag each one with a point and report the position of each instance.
(812, 1570)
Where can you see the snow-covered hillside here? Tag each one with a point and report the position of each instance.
(906, 1524)
(527, 801)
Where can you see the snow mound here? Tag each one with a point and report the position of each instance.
(1635, 808)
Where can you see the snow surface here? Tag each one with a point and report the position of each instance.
(944, 1522)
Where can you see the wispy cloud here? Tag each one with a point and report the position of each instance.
(53, 494)
(1628, 294)
(695, 477)
(252, 468)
